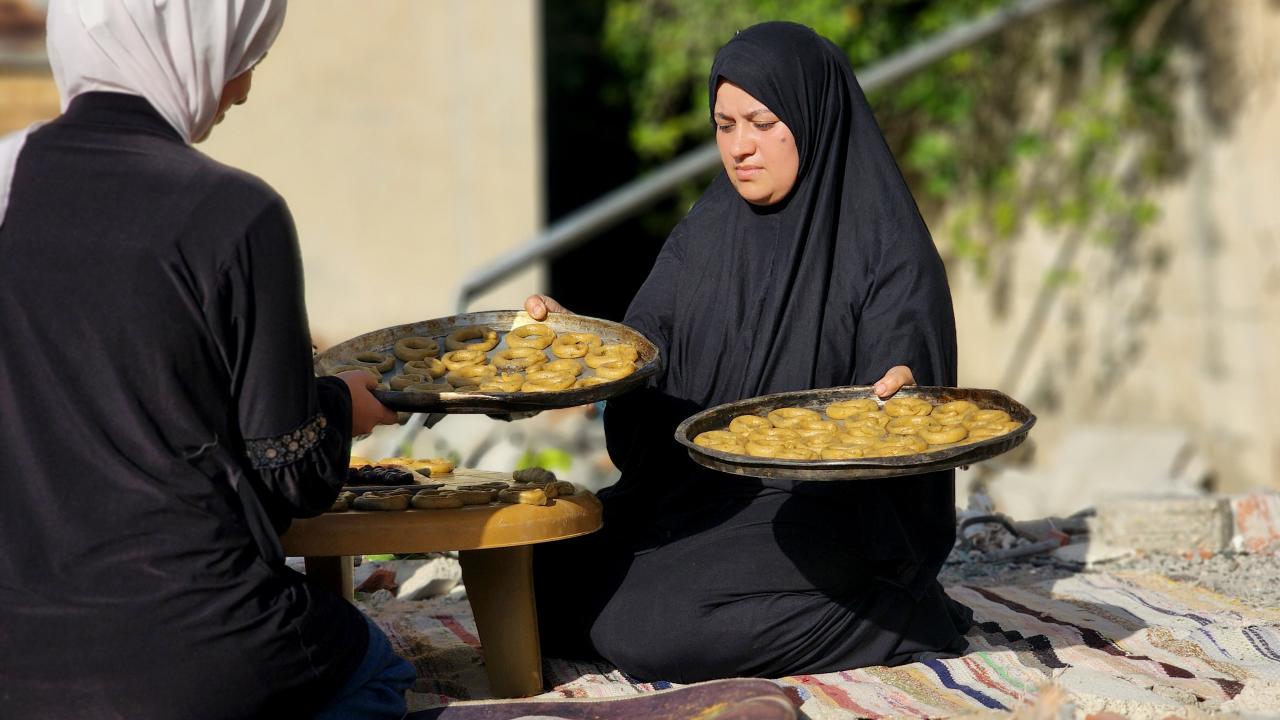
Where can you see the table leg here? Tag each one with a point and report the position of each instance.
(332, 572)
(499, 584)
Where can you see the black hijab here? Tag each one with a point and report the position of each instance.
(832, 286)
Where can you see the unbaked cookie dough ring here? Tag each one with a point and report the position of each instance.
(574, 344)
(517, 359)
(416, 348)
(798, 452)
(789, 416)
(391, 500)
(911, 442)
(908, 424)
(381, 362)
(716, 438)
(842, 452)
(903, 407)
(615, 369)
(890, 451)
(746, 424)
(430, 367)
(568, 365)
(953, 413)
(503, 382)
(470, 375)
(455, 359)
(364, 368)
(402, 381)
(472, 337)
(546, 381)
(530, 496)
(609, 353)
(533, 335)
(866, 427)
(985, 417)
(437, 500)
(986, 432)
(848, 408)
(766, 442)
(943, 434)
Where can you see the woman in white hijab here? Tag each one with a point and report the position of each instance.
(160, 424)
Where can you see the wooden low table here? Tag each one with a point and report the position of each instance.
(495, 548)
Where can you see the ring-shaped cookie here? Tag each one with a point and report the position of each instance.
(789, 416)
(415, 348)
(546, 381)
(533, 335)
(609, 353)
(517, 359)
(615, 369)
(472, 337)
(848, 408)
(574, 344)
(470, 375)
(745, 424)
(906, 406)
(455, 359)
(378, 361)
(430, 367)
(943, 434)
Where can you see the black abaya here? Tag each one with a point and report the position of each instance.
(699, 574)
(159, 425)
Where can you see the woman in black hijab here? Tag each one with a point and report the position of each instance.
(805, 265)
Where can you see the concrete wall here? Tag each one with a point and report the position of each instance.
(1183, 337)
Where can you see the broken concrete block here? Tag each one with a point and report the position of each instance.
(1165, 523)
(1257, 522)
(428, 578)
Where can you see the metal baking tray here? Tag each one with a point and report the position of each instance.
(503, 321)
(717, 418)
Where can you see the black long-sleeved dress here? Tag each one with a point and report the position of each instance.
(159, 426)
(699, 574)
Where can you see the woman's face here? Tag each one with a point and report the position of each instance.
(757, 149)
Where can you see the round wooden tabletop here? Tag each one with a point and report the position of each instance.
(472, 527)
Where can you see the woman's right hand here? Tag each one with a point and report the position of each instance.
(366, 411)
(539, 305)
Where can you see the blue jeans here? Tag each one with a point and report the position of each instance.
(376, 689)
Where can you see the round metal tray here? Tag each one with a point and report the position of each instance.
(502, 321)
(717, 418)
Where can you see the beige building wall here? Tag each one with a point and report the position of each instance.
(406, 137)
(1184, 337)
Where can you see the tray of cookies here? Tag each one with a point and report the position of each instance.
(497, 362)
(847, 433)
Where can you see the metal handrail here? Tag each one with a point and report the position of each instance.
(617, 205)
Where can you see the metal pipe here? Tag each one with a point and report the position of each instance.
(617, 205)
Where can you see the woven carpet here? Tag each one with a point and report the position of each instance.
(1140, 645)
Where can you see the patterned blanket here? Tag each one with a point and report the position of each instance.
(1139, 645)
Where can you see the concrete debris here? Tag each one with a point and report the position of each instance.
(1256, 522)
(1165, 523)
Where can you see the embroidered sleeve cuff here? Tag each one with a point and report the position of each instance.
(285, 449)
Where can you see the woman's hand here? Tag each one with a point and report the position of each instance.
(898, 377)
(539, 305)
(366, 411)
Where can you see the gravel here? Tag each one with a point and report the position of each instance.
(1252, 579)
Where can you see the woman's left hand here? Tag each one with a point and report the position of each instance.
(894, 380)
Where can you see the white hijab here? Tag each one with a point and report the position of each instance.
(178, 54)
